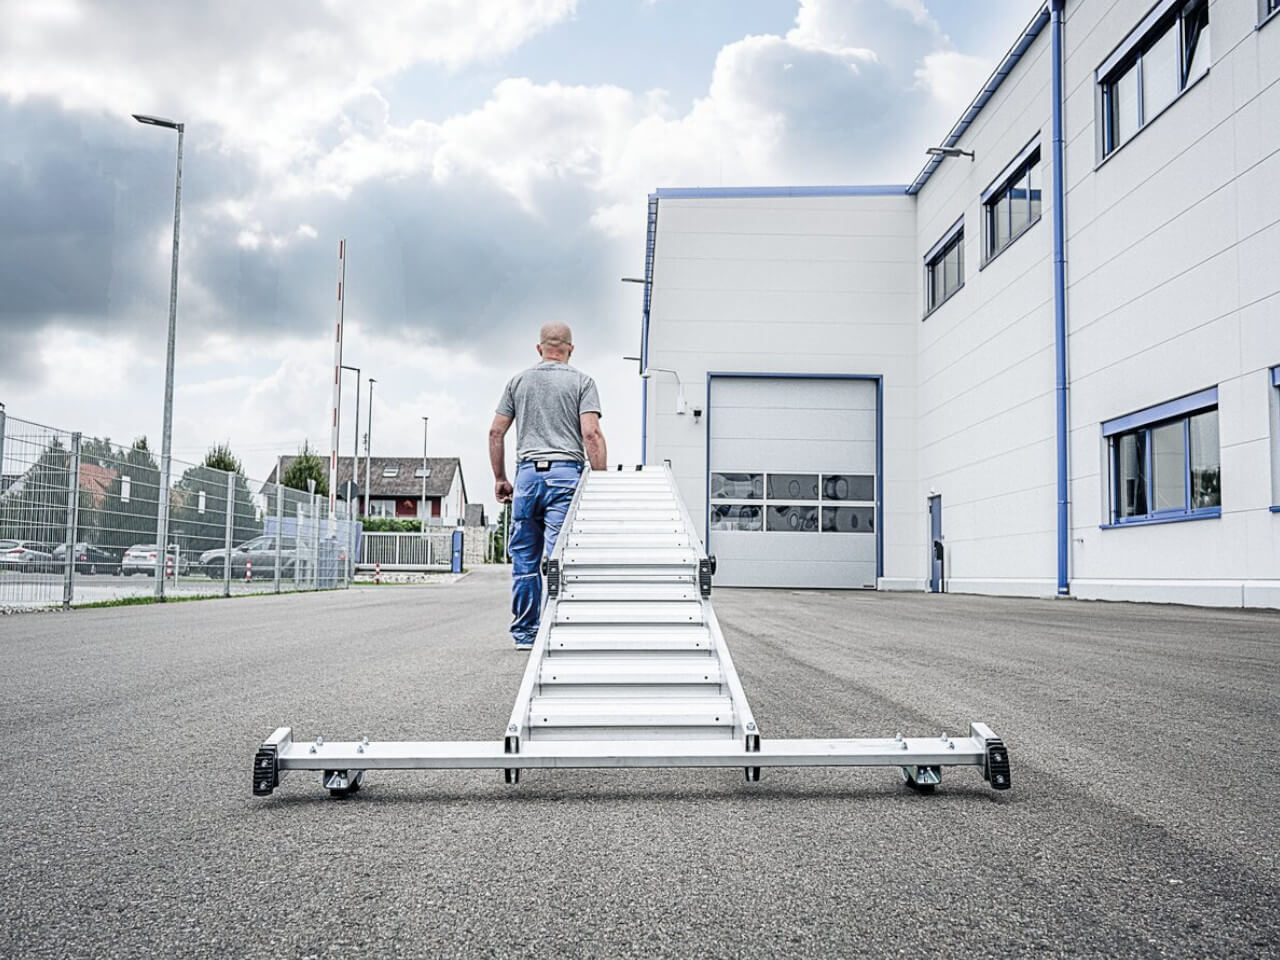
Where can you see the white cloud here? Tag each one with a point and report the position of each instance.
(264, 77)
(953, 78)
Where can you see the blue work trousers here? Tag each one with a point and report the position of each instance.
(540, 503)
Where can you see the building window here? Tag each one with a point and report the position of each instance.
(1013, 203)
(793, 502)
(421, 473)
(1165, 462)
(1159, 60)
(944, 268)
(392, 470)
(1266, 8)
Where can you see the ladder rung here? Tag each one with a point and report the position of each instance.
(623, 612)
(628, 712)
(594, 527)
(624, 670)
(631, 639)
(627, 591)
(629, 542)
(649, 557)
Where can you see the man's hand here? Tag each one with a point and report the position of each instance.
(502, 490)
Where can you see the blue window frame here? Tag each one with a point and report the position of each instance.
(1159, 59)
(1266, 8)
(944, 268)
(1011, 205)
(1165, 462)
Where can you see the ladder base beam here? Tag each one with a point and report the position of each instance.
(490, 755)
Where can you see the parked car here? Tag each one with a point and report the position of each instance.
(262, 551)
(142, 557)
(213, 562)
(28, 556)
(89, 558)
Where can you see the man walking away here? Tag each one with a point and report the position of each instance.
(556, 410)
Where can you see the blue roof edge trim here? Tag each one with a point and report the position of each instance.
(1033, 29)
(731, 193)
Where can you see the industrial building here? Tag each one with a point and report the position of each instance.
(1048, 365)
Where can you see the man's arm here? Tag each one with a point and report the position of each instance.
(498, 456)
(593, 440)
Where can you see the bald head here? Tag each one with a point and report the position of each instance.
(555, 342)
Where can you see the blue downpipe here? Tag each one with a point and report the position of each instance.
(1060, 301)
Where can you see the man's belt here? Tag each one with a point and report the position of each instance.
(542, 466)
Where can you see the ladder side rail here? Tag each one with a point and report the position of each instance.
(745, 727)
(745, 723)
(519, 721)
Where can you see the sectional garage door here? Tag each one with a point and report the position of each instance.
(792, 487)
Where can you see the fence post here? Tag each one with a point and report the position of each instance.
(280, 537)
(315, 542)
(73, 517)
(2, 425)
(229, 534)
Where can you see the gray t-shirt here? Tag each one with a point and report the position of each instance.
(546, 401)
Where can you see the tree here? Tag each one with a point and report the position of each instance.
(199, 511)
(220, 457)
(307, 466)
(132, 500)
(34, 507)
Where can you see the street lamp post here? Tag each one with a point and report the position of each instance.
(368, 442)
(166, 440)
(353, 496)
(355, 450)
(424, 475)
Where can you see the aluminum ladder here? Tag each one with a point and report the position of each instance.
(629, 669)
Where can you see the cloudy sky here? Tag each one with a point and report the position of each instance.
(488, 162)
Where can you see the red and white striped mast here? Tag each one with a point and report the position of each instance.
(337, 389)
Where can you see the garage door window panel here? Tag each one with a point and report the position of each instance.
(737, 516)
(793, 486)
(844, 486)
(848, 519)
(737, 486)
(792, 519)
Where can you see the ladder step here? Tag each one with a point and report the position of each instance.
(628, 712)
(628, 591)
(593, 527)
(564, 640)
(627, 542)
(614, 514)
(643, 557)
(622, 612)
(624, 671)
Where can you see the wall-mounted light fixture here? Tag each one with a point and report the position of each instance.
(949, 152)
(682, 405)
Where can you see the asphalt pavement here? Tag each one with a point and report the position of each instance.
(1143, 819)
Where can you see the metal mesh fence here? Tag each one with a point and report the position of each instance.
(79, 518)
